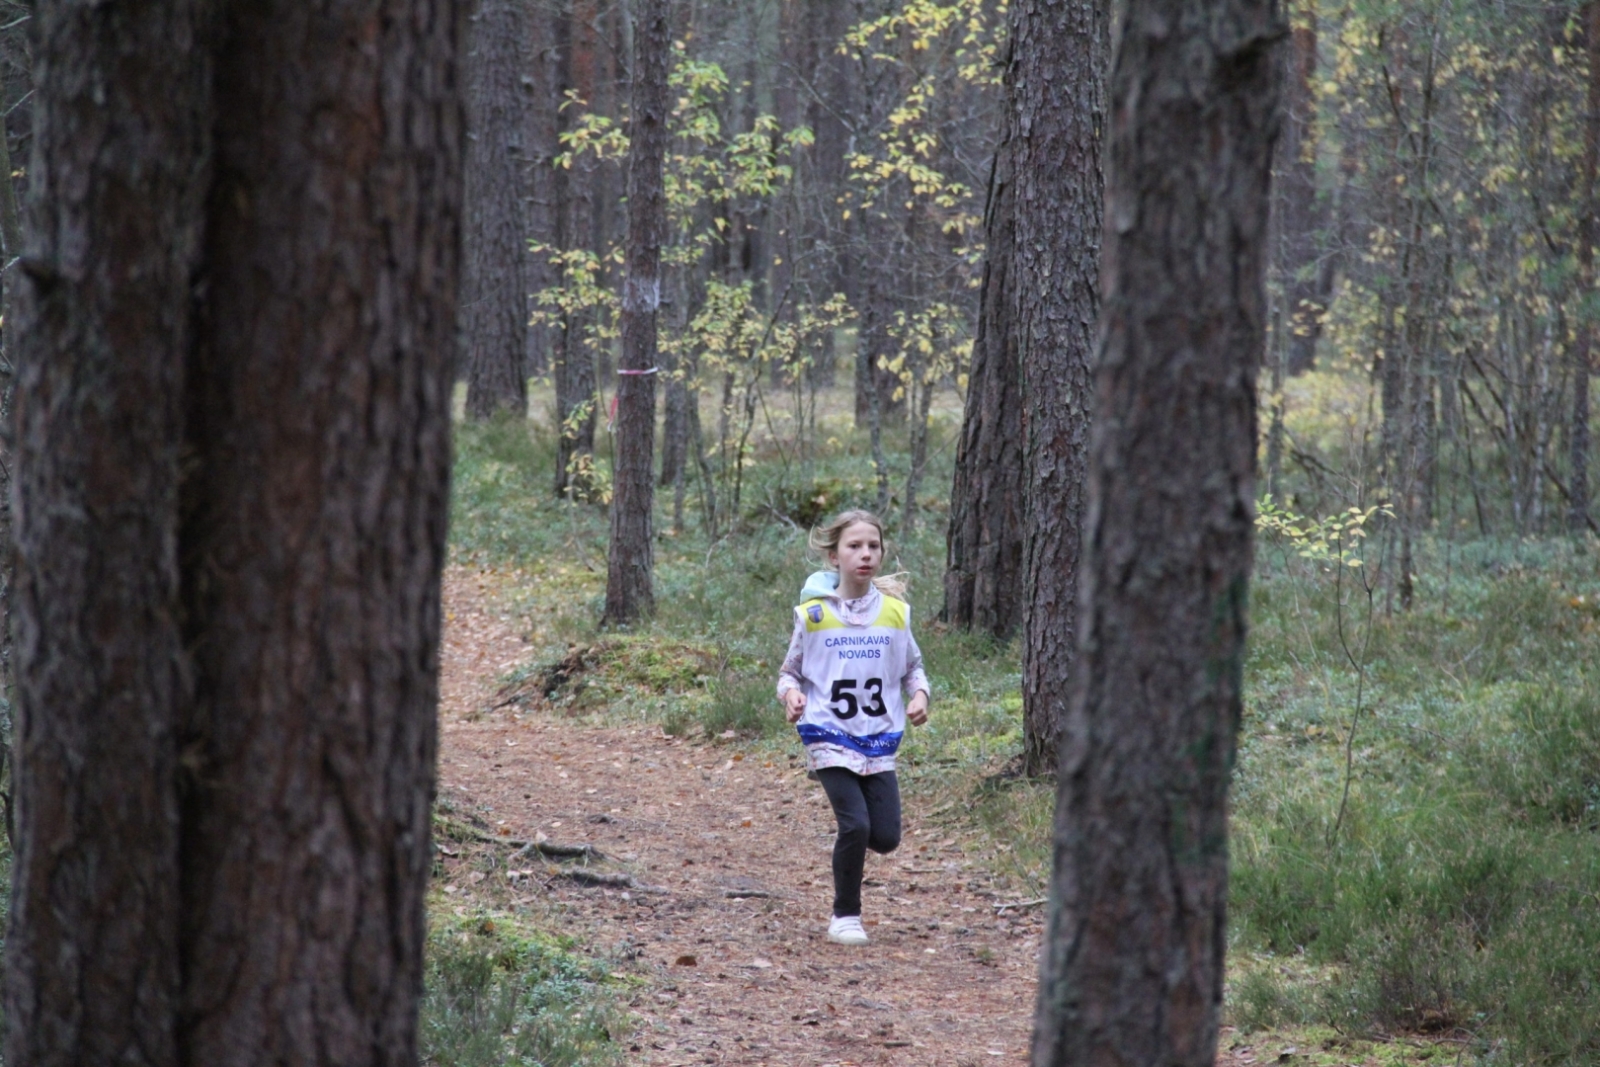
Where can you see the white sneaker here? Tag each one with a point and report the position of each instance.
(846, 930)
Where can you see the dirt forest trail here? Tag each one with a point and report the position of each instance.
(734, 850)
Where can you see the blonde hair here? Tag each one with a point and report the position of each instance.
(824, 539)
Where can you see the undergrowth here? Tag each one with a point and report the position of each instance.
(499, 995)
(1459, 899)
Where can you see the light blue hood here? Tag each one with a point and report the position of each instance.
(821, 583)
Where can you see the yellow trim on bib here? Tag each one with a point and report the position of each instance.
(892, 613)
(818, 616)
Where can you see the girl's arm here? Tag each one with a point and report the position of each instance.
(791, 685)
(915, 681)
(791, 675)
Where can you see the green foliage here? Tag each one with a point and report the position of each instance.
(1335, 541)
(732, 342)
(498, 997)
(1455, 135)
(743, 703)
(1545, 761)
(935, 51)
(501, 508)
(1458, 899)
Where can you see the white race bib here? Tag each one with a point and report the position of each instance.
(852, 678)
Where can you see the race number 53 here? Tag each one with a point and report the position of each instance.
(844, 702)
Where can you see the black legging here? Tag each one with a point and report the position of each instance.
(868, 809)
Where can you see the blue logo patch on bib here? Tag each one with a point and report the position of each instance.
(815, 612)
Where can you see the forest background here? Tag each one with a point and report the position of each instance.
(1416, 806)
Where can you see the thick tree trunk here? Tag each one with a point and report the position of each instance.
(494, 291)
(983, 547)
(1057, 81)
(1133, 962)
(123, 113)
(629, 558)
(314, 533)
(233, 420)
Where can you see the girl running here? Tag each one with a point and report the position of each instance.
(851, 660)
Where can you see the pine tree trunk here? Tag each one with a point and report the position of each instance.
(232, 529)
(1589, 223)
(629, 558)
(123, 118)
(1303, 219)
(544, 200)
(831, 95)
(314, 534)
(675, 403)
(1132, 966)
(1057, 83)
(575, 382)
(983, 546)
(10, 252)
(494, 291)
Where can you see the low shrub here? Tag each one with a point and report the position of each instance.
(495, 997)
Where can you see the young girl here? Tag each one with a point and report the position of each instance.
(850, 660)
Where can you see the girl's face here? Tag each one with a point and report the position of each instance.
(860, 553)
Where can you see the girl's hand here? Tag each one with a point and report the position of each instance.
(794, 705)
(917, 710)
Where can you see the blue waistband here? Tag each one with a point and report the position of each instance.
(872, 746)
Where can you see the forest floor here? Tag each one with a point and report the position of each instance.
(729, 938)
(722, 933)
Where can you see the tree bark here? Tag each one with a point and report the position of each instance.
(676, 371)
(983, 545)
(123, 116)
(544, 224)
(233, 429)
(574, 365)
(1057, 80)
(10, 256)
(494, 291)
(629, 559)
(1133, 961)
(833, 86)
(1303, 218)
(1589, 223)
(314, 532)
